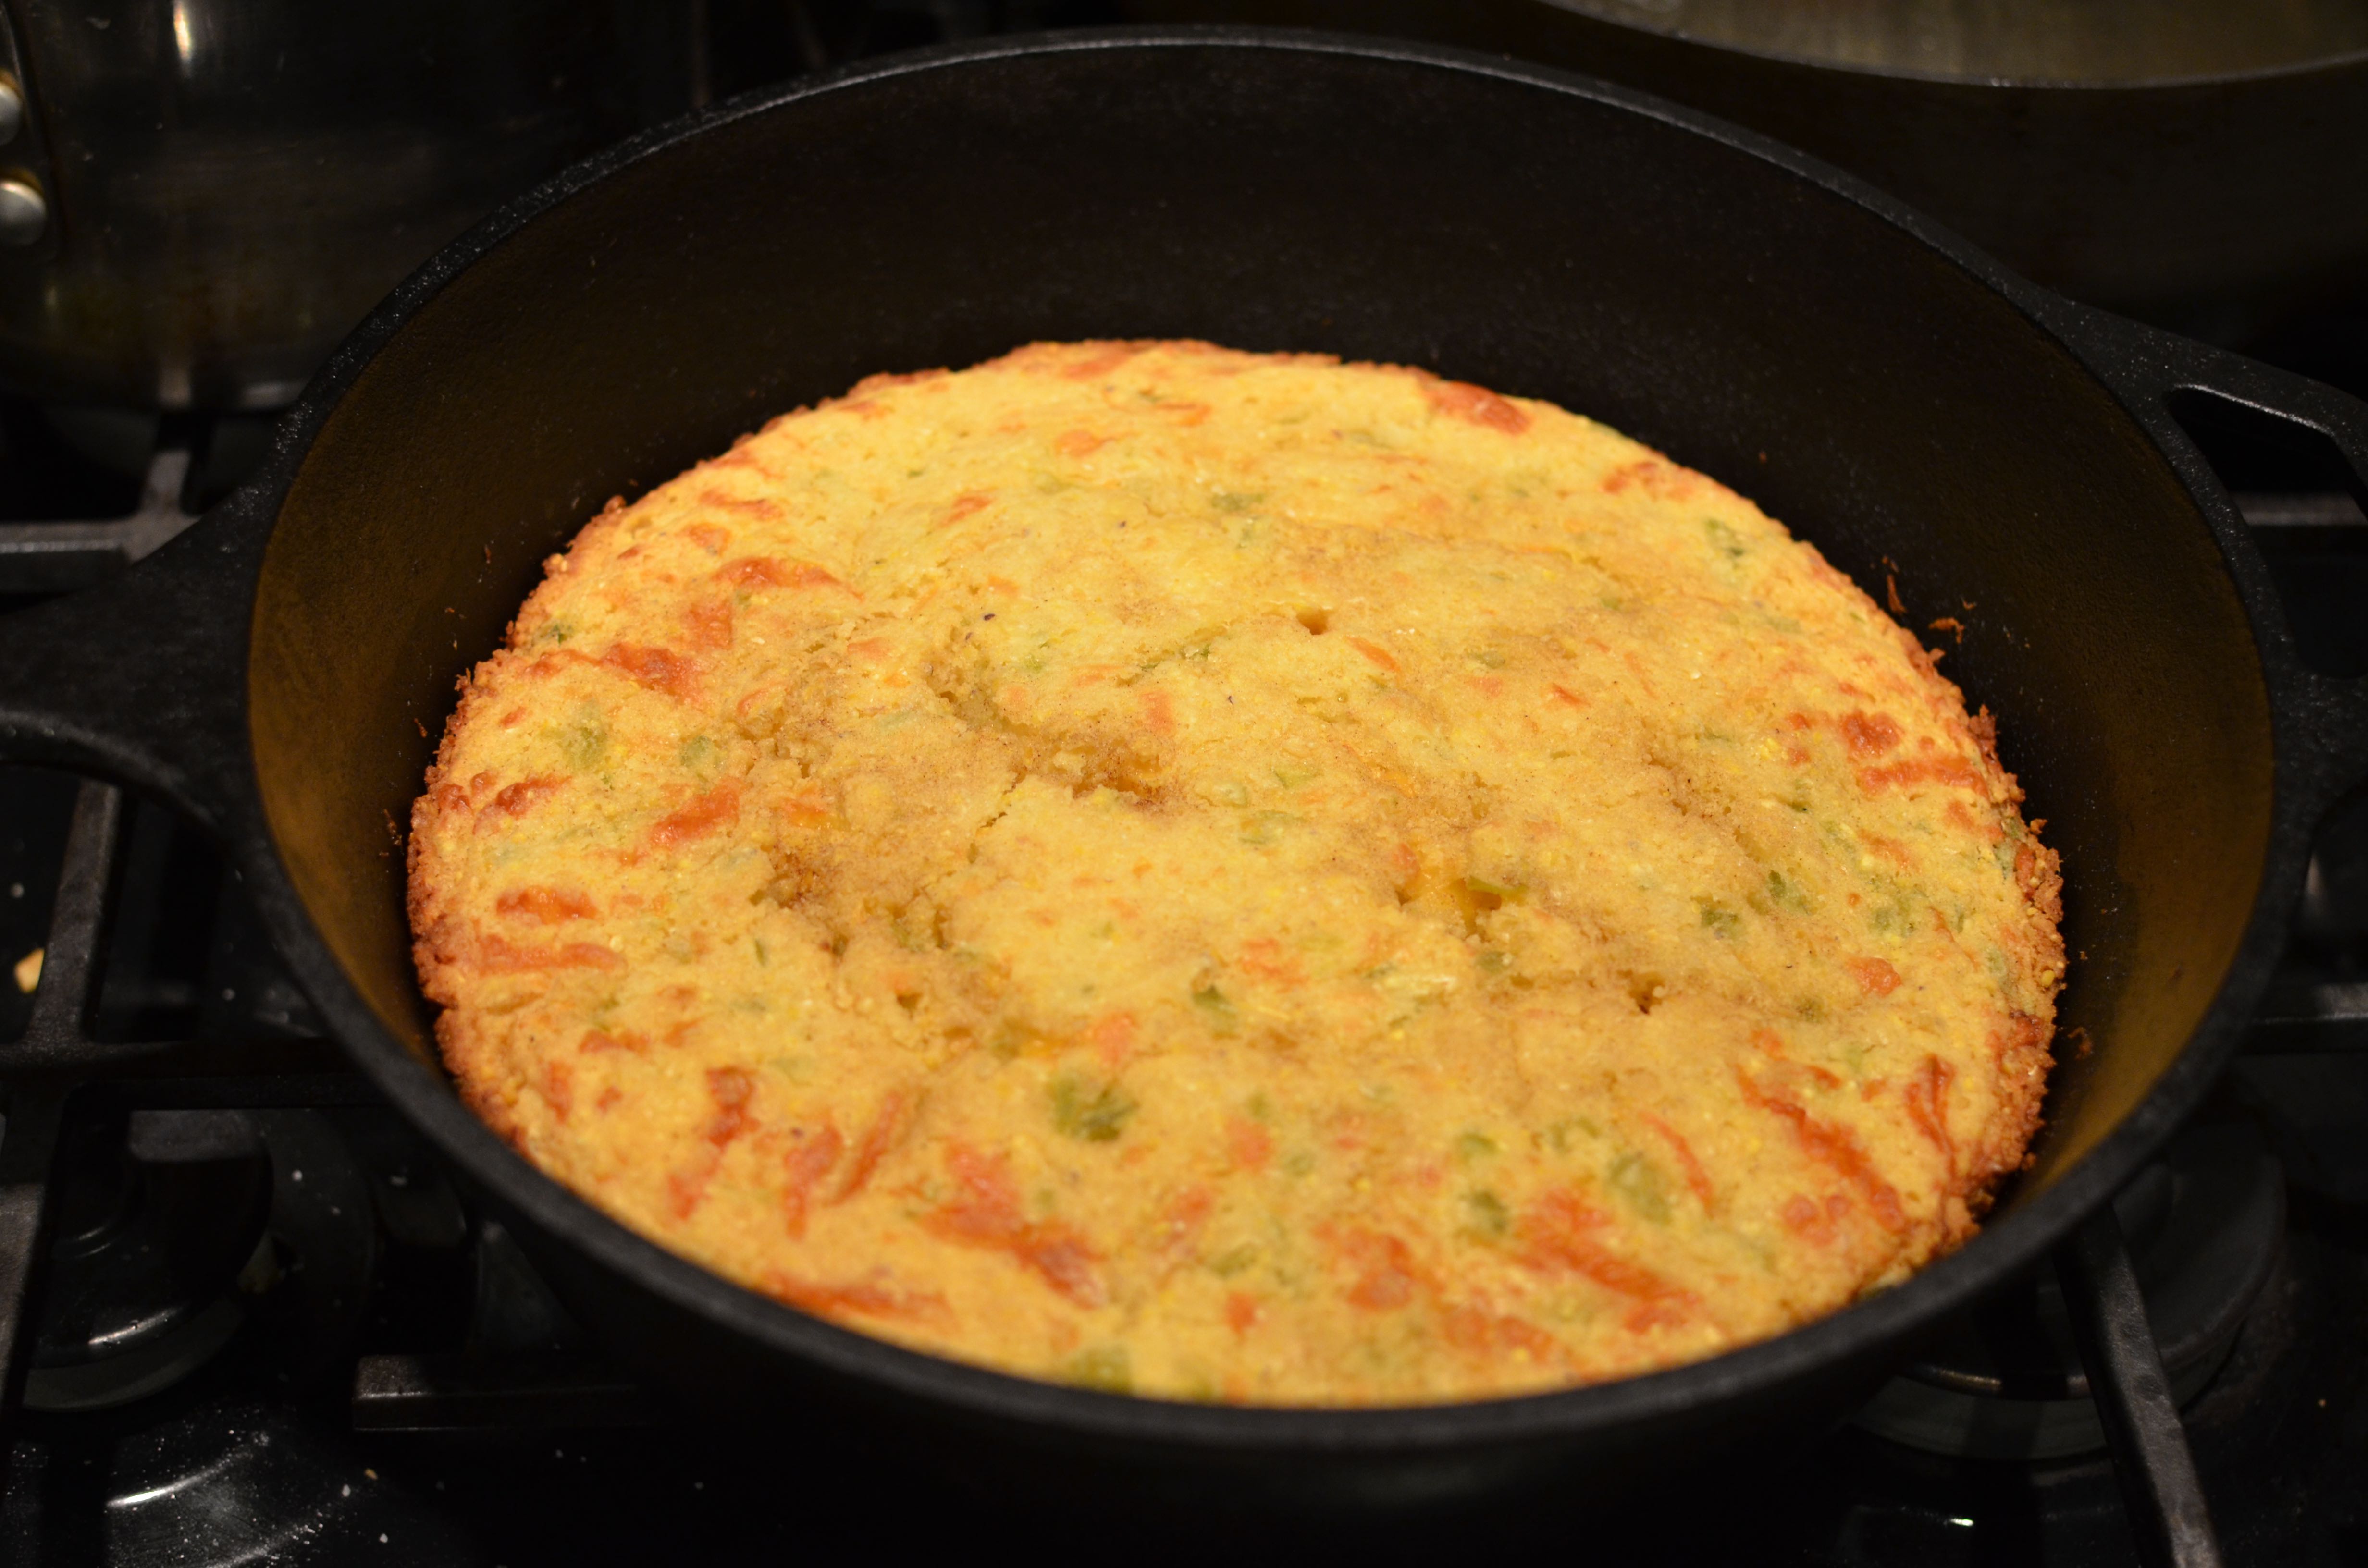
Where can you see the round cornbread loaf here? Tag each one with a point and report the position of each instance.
(1238, 877)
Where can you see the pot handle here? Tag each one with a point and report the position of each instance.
(142, 678)
(2323, 720)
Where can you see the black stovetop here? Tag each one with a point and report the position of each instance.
(391, 1366)
(393, 1376)
(268, 1328)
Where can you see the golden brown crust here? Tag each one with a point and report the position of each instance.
(1238, 876)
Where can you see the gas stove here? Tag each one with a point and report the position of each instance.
(245, 1317)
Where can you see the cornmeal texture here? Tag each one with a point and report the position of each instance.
(1238, 877)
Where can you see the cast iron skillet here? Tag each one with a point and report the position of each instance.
(281, 670)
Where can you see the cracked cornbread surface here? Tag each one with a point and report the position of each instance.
(1238, 877)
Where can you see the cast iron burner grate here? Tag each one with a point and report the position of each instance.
(295, 1202)
(234, 1288)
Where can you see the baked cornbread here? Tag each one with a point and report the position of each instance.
(1238, 877)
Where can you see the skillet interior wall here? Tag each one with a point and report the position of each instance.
(1529, 238)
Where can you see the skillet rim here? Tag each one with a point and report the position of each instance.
(1872, 1327)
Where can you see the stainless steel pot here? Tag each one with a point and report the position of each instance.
(2199, 164)
(200, 198)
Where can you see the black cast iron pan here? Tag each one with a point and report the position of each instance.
(281, 670)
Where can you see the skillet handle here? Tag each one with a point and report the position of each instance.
(2323, 720)
(142, 678)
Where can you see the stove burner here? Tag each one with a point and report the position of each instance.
(175, 1228)
(159, 1214)
(2206, 1225)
